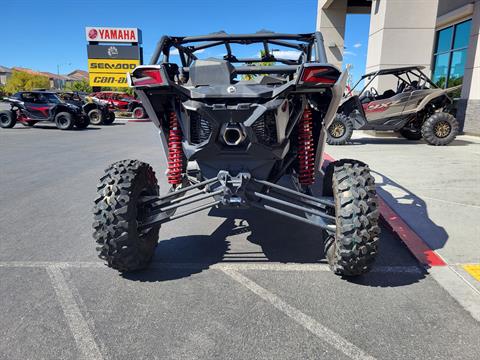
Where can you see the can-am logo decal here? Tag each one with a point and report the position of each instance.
(231, 90)
(112, 51)
(117, 80)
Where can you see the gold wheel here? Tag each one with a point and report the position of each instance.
(442, 129)
(337, 129)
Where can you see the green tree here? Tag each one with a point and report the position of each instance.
(81, 85)
(20, 81)
(263, 63)
(126, 90)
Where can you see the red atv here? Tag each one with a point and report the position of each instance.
(119, 101)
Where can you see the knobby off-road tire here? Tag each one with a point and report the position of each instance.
(7, 119)
(410, 134)
(116, 214)
(82, 123)
(340, 131)
(353, 249)
(433, 126)
(109, 119)
(64, 121)
(96, 116)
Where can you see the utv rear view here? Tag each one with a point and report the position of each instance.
(231, 128)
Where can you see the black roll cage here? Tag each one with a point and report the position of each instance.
(310, 44)
(395, 72)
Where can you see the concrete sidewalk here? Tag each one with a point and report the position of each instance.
(436, 190)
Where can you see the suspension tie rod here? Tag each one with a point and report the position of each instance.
(205, 196)
(295, 206)
(151, 199)
(329, 228)
(287, 190)
(161, 218)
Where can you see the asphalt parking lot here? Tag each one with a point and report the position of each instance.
(223, 285)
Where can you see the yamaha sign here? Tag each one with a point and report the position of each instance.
(108, 34)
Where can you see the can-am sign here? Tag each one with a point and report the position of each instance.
(107, 34)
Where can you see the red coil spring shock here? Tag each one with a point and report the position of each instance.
(175, 154)
(306, 156)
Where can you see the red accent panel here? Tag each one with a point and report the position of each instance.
(374, 107)
(42, 109)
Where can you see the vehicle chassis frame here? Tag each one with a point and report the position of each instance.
(238, 191)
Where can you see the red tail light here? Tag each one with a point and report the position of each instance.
(148, 76)
(319, 75)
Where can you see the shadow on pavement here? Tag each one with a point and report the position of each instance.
(376, 279)
(401, 141)
(53, 127)
(412, 209)
(281, 240)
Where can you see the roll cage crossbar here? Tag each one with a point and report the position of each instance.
(397, 72)
(310, 44)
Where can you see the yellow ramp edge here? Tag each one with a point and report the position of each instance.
(473, 270)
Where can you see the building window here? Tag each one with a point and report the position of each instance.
(451, 54)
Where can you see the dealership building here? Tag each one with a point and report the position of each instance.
(441, 35)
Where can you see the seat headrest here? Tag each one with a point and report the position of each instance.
(211, 71)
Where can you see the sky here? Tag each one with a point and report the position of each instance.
(51, 35)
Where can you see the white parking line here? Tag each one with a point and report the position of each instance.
(325, 334)
(459, 288)
(78, 326)
(239, 266)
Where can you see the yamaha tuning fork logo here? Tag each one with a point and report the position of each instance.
(92, 34)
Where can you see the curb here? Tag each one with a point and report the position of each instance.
(417, 246)
(134, 120)
(140, 121)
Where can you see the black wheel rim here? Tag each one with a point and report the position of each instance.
(4, 119)
(63, 121)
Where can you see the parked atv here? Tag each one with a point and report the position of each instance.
(31, 107)
(98, 113)
(228, 142)
(416, 109)
(118, 101)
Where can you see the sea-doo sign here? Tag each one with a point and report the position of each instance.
(112, 66)
(108, 34)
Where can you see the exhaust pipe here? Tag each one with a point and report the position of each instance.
(233, 134)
